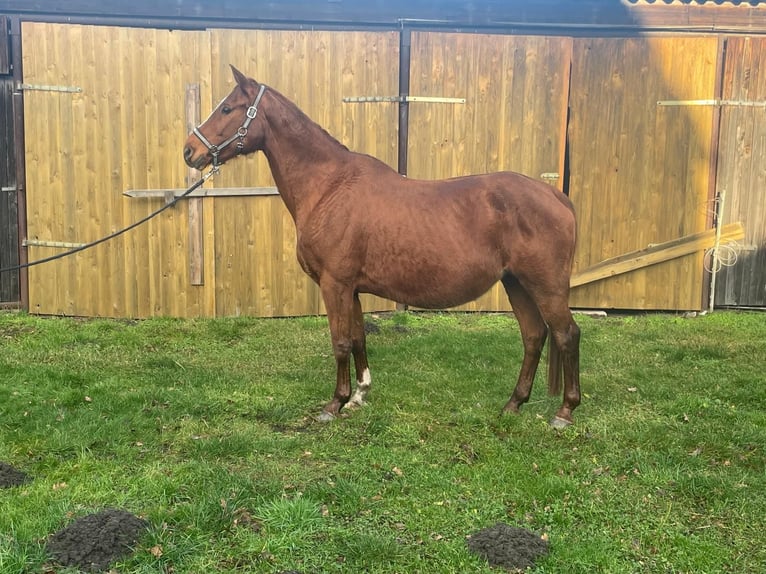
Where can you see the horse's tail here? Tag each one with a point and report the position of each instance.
(555, 367)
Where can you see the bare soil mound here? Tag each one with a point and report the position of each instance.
(10, 477)
(93, 542)
(508, 547)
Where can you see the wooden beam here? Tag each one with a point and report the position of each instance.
(196, 235)
(201, 192)
(657, 254)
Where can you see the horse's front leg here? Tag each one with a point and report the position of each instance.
(339, 302)
(359, 351)
(533, 334)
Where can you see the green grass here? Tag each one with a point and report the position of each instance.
(205, 429)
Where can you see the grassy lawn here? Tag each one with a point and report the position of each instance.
(204, 428)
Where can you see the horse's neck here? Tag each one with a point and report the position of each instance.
(300, 153)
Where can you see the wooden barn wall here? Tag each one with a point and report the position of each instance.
(639, 172)
(83, 149)
(257, 270)
(9, 227)
(514, 117)
(742, 171)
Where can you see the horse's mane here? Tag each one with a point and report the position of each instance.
(302, 120)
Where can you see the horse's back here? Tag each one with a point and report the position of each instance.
(504, 190)
(475, 205)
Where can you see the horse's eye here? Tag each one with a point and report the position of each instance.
(226, 110)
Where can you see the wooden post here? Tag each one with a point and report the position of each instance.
(196, 236)
(405, 43)
(714, 217)
(20, 157)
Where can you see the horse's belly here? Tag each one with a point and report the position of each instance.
(437, 289)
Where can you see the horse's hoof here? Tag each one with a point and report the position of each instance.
(559, 423)
(325, 417)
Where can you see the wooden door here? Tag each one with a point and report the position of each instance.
(9, 225)
(105, 113)
(9, 228)
(742, 171)
(513, 118)
(639, 171)
(110, 116)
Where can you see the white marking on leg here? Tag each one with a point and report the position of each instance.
(362, 388)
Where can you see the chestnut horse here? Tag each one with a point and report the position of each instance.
(364, 228)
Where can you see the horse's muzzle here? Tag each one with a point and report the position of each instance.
(197, 163)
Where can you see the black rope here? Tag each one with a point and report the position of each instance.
(175, 200)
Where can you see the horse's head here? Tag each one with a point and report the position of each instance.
(231, 129)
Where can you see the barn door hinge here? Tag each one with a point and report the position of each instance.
(47, 88)
(714, 102)
(401, 99)
(58, 244)
(9, 189)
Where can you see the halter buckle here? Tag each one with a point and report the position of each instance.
(215, 169)
(252, 111)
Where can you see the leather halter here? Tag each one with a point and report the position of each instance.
(214, 149)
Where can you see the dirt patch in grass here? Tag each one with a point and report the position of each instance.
(93, 542)
(508, 547)
(10, 476)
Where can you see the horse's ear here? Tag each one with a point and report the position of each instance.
(239, 76)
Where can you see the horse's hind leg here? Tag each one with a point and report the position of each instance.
(359, 351)
(565, 334)
(568, 341)
(533, 333)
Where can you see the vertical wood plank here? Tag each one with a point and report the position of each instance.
(196, 234)
(5, 55)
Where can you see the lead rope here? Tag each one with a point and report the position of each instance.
(214, 170)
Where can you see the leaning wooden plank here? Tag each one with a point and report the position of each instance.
(212, 192)
(657, 254)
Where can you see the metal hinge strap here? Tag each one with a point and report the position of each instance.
(714, 102)
(47, 88)
(435, 100)
(59, 244)
(425, 99)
